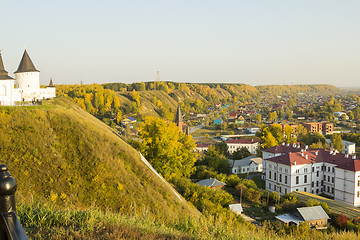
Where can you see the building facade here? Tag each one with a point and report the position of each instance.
(315, 171)
(235, 144)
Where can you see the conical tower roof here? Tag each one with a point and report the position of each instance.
(51, 84)
(26, 65)
(178, 117)
(3, 73)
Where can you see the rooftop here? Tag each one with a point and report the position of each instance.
(242, 141)
(211, 182)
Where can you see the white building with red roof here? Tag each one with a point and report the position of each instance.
(316, 171)
(235, 144)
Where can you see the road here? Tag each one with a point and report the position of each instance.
(193, 129)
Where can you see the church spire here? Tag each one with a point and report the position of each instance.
(179, 119)
(26, 65)
(3, 73)
(51, 84)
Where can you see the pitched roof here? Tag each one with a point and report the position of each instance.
(242, 141)
(178, 116)
(211, 182)
(26, 65)
(3, 73)
(245, 161)
(236, 208)
(284, 148)
(312, 213)
(343, 161)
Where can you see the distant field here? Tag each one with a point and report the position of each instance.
(212, 132)
(335, 206)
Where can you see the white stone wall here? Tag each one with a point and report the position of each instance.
(29, 83)
(8, 93)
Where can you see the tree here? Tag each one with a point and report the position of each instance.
(336, 141)
(169, 151)
(222, 148)
(241, 153)
(272, 116)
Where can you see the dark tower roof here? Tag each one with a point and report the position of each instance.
(178, 116)
(3, 73)
(51, 83)
(26, 65)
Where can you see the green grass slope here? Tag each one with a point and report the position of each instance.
(61, 154)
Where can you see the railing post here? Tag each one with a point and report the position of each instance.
(10, 227)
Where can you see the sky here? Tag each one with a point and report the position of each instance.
(254, 42)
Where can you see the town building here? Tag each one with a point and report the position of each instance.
(249, 164)
(236, 208)
(315, 217)
(320, 127)
(25, 86)
(235, 144)
(211, 183)
(202, 147)
(348, 147)
(317, 171)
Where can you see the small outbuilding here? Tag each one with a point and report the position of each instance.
(315, 217)
(236, 208)
(211, 183)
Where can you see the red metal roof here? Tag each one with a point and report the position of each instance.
(342, 161)
(243, 141)
(284, 148)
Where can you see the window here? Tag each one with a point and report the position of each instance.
(358, 183)
(312, 184)
(328, 189)
(324, 177)
(313, 169)
(333, 169)
(285, 191)
(328, 169)
(322, 182)
(280, 190)
(317, 183)
(269, 175)
(304, 189)
(305, 179)
(332, 190)
(280, 169)
(286, 170)
(358, 194)
(317, 191)
(317, 173)
(297, 190)
(305, 169)
(285, 179)
(275, 176)
(328, 178)
(332, 179)
(297, 179)
(297, 171)
(269, 185)
(280, 177)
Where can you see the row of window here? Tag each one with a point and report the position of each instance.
(280, 177)
(328, 179)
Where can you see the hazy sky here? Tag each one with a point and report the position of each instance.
(237, 41)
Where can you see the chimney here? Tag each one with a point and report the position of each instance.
(354, 157)
(346, 155)
(306, 147)
(306, 156)
(331, 152)
(316, 153)
(287, 145)
(334, 153)
(298, 146)
(302, 154)
(283, 143)
(294, 162)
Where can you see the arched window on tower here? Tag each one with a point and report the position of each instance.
(2, 91)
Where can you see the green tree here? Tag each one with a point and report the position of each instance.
(168, 150)
(241, 153)
(272, 116)
(336, 142)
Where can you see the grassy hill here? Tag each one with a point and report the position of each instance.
(61, 154)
